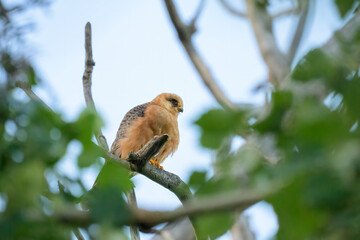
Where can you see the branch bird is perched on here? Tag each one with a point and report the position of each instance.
(147, 120)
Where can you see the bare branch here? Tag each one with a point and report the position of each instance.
(210, 204)
(150, 149)
(261, 22)
(241, 229)
(134, 230)
(185, 34)
(139, 162)
(197, 14)
(290, 11)
(232, 10)
(238, 13)
(177, 230)
(87, 81)
(27, 89)
(295, 43)
(224, 202)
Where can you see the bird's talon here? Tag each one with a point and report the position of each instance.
(153, 162)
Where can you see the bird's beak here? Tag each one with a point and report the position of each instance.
(180, 109)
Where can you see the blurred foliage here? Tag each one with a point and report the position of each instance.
(315, 143)
(34, 141)
(345, 6)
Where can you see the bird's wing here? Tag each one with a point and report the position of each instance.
(128, 120)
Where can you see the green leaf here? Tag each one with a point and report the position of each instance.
(217, 185)
(281, 102)
(32, 78)
(23, 185)
(213, 225)
(344, 6)
(315, 125)
(315, 65)
(87, 124)
(197, 178)
(218, 124)
(107, 205)
(296, 220)
(89, 154)
(113, 174)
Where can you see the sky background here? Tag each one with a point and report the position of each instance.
(138, 56)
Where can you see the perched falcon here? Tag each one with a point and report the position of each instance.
(145, 121)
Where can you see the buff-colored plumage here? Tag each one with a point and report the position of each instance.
(145, 121)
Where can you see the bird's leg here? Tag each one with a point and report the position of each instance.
(159, 166)
(153, 162)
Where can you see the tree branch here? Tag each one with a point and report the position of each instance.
(208, 204)
(148, 219)
(177, 230)
(275, 60)
(290, 11)
(139, 162)
(232, 10)
(75, 230)
(241, 14)
(185, 33)
(27, 89)
(134, 230)
(335, 46)
(87, 81)
(295, 43)
(197, 14)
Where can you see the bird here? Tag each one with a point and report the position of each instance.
(143, 122)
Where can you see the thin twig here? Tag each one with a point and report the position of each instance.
(134, 230)
(232, 10)
(295, 43)
(290, 11)
(275, 60)
(78, 234)
(87, 81)
(197, 14)
(27, 89)
(185, 33)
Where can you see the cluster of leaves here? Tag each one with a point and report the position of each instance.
(314, 141)
(33, 140)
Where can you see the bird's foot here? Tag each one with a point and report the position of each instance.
(156, 164)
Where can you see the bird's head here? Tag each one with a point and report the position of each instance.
(171, 102)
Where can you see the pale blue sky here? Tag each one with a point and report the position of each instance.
(138, 56)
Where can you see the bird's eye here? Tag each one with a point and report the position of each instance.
(174, 102)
